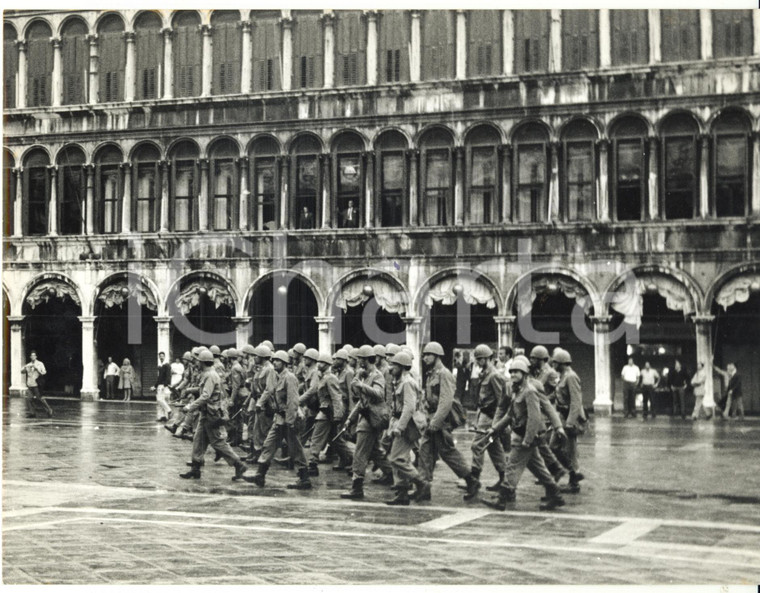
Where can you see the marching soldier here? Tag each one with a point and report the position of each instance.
(184, 424)
(308, 390)
(260, 408)
(570, 407)
(330, 401)
(297, 362)
(340, 443)
(236, 379)
(382, 364)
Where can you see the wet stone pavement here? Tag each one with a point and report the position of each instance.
(93, 496)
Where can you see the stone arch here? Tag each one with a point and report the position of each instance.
(111, 14)
(559, 271)
(318, 294)
(69, 20)
(178, 141)
(136, 148)
(32, 23)
(481, 125)
(419, 304)
(399, 305)
(70, 288)
(141, 14)
(228, 295)
(750, 270)
(290, 145)
(626, 115)
(426, 131)
(728, 111)
(676, 113)
(391, 130)
(265, 136)
(71, 147)
(547, 129)
(35, 148)
(598, 126)
(104, 147)
(348, 132)
(138, 285)
(221, 140)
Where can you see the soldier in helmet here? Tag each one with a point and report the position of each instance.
(570, 407)
(260, 408)
(236, 382)
(308, 390)
(437, 440)
(341, 445)
(330, 401)
(184, 425)
(296, 362)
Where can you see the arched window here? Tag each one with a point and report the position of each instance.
(184, 186)
(149, 51)
(265, 181)
(436, 150)
(680, 35)
(348, 181)
(307, 49)
(75, 61)
(108, 185)
(306, 179)
(267, 52)
(146, 187)
(351, 48)
(580, 47)
(37, 192)
(578, 141)
(484, 37)
(71, 191)
(732, 33)
(393, 42)
(679, 166)
(187, 49)
(482, 195)
(39, 62)
(438, 47)
(630, 37)
(10, 65)
(228, 42)
(532, 40)
(9, 190)
(112, 58)
(731, 164)
(224, 155)
(391, 171)
(628, 164)
(531, 183)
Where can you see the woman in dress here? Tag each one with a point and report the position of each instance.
(126, 379)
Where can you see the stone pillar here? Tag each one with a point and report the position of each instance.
(506, 329)
(605, 53)
(324, 162)
(508, 34)
(755, 33)
(326, 340)
(203, 197)
(458, 186)
(755, 172)
(242, 326)
(126, 200)
(53, 207)
(89, 213)
(284, 183)
(329, 24)
(18, 227)
(89, 391)
(704, 176)
(22, 74)
(415, 50)
(553, 214)
(371, 47)
(207, 56)
(603, 204)
(164, 212)
(655, 36)
(506, 186)
(244, 194)
(246, 66)
(130, 67)
(94, 80)
(461, 45)
(603, 397)
(17, 385)
(706, 33)
(163, 341)
(413, 326)
(369, 181)
(57, 86)
(654, 186)
(414, 156)
(168, 64)
(555, 42)
(287, 53)
(703, 325)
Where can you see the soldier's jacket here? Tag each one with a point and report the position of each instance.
(439, 395)
(525, 414)
(263, 386)
(286, 398)
(389, 383)
(330, 397)
(299, 370)
(369, 388)
(235, 379)
(550, 415)
(345, 377)
(187, 376)
(311, 380)
(194, 385)
(549, 378)
(220, 369)
(570, 400)
(210, 398)
(404, 405)
(491, 390)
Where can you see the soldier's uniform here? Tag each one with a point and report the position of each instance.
(404, 404)
(330, 401)
(187, 422)
(236, 380)
(491, 392)
(545, 381)
(308, 400)
(570, 408)
(261, 408)
(369, 387)
(342, 446)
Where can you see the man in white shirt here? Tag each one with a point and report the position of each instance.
(111, 375)
(33, 370)
(177, 371)
(631, 375)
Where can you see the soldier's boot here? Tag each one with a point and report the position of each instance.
(495, 487)
(402, 498)
(260, 477)
(573, 486)
(500, 503)
(313, 469)
(553, 498)
(473, 485)
(303, 483)
(217, 456)
(253, 456)
(357, 490)
(190, 464)
(422, 493)
(240, 469)
(475, 474)
(385, 480)
(194, 473)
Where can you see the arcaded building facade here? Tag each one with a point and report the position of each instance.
(583, 177)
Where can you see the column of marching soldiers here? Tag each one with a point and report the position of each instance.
(367, 404)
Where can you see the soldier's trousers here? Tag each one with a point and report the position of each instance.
(343, 448)
(236, 423)
(521, 457)
(480, 445)
(567, 452)
(401, 460)
(368, 447)
(190, 421)
(259, 428)
(440, 444)
(319, 438)
(205, 435)
(552, 461)
(276, 433)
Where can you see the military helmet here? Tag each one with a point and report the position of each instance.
(187, 356)
(299, 348)
(281, 355)
(324, 357)
(519, 365)
(562, 357)
(402, 359)
(215, 350)
(233, 353)
(392, 349)
(196, 350)
(291, 353)
(206, 356)
(268, 344)
(521, 358)
(365, 351)
(407, 349)
(379, 350)
(539, 352)
(225, 353)
(482, 351)
(312, 353)
(262, 351)
(248, 349)
(340, 355)
(433, 348)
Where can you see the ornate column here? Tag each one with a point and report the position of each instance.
(328, 19)
(94, 79)
(459, 186)
(126, 200)
(605, 53)
(704, 176)
(17, 385)
(130, 71)
(415, 49)
(168, 64)
(287, 52)
(706, 33)
(22, 74)
(413, 325)
(755, 172)
(369, 180)
(207, 54)
(326, 341)
(655, 36)
(603, 204)
(203, 197)
(506, 328)
(508, 34)
(654, 186)
(506, 177)
(246, 65)
(555, 42)
(53, 207)
(244, 195)
(371, 47)
(57, 86)
(89, 391)
(89, 201)
(163, 341)
(461, 45)
(603, 397)
(164, 228)
(242, 325)
(414, 156)
(553, 214)
(18, 227)
(703, 325)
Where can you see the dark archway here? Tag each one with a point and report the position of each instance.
(354, 331)
(292, 323)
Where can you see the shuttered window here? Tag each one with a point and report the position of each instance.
(351, 50)
(393, 42)
(267, 58)
(580, 39)
(630, 37)
(36, 193)
(75, 58)
(532, 40)
(438, 34)
(187, 56)
(307, 50)
(732, 33)
(112, 59)
(39, 65)
(680, 35)
(10, 66)
(227, 47)
(149, 50)
(484, 36)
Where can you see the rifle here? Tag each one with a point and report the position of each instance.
(476, 431)
(337, 436)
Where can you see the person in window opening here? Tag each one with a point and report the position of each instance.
(678, 380)
(350, 216)
(33, 370)
(732, 399)
(650, 379)
(126, 379)
(306, 219)
(111, 376)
